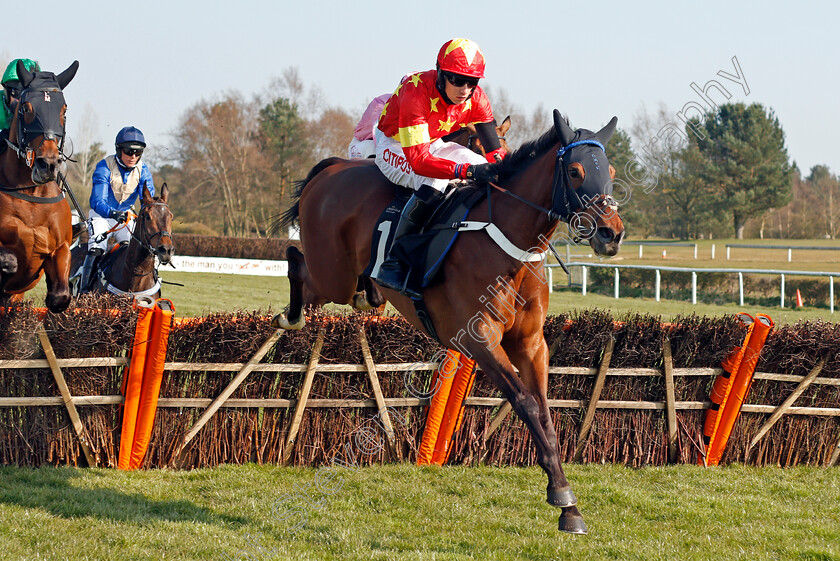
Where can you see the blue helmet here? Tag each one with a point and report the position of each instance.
(130, 137)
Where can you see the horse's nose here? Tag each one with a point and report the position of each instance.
(605, 235)
(46, 166)
(164, 254)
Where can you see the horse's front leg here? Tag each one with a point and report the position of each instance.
(530, 404)
(529, 353)
(57, 270)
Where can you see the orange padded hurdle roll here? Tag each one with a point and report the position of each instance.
(741, 383)
(142, 379)
(453, 414)
(132, 384)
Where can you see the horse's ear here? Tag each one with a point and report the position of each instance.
(606, 133)
(65, 77)
(164, 193)
(563, 129)
(505, 126)
(24, 75)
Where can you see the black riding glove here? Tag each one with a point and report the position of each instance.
(120, 216)
(482, 173)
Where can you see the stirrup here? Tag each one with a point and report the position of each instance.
(396, 284)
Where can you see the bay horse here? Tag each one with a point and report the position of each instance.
(491, 306)
(131, 268)
(35, 220)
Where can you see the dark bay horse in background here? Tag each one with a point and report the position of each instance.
(490, 306)
(35, 220)
(131, 268)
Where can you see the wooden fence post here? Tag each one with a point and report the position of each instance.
(593, 400)
(304, 395)
(66, 397)
(226, 393)
(670, 400)
(781, 409)
(377, 392)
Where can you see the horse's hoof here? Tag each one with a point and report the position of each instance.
(360, 302)
(8, 264)
(58, 303)
(572, 524)
(280, 322)
(563, 497)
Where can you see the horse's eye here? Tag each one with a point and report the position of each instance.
(573, 172)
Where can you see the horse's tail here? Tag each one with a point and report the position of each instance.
(292, 216)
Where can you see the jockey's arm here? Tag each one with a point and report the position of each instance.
(490, 140)
(101, 189)
(423, 162)
(146, 177)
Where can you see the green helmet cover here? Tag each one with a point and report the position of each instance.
(11, 70)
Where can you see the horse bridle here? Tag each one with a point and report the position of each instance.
(562, 185)
(22, 148)
(147, 243)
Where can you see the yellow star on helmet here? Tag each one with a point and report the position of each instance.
(465, 45)
(446, 125)
(415, 79)
(434, 101)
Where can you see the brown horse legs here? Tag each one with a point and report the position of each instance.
(299, 295)
(57, 270)
(531, 406)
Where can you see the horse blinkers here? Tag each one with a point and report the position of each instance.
(582, 187)
(41, 111)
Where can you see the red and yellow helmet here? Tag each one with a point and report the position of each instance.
(461, 56)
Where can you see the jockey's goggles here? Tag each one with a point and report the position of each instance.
(132, 151)
(460, 81)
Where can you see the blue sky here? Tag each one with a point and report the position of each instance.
(145, 63)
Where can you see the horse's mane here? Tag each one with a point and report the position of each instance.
(526, 153)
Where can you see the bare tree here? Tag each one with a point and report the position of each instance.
(86, 152)
(218, 148)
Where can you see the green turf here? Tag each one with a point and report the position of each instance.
(402, 512)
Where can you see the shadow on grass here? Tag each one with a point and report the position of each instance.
(51, 490)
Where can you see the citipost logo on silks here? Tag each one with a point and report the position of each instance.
(396, 160)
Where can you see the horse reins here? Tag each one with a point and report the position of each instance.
(147, 244)
(561, 179)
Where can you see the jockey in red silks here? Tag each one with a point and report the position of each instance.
(410, 150)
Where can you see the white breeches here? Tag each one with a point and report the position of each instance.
(99, 224)
(391, 160)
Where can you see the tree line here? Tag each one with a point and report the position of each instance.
(234, 161)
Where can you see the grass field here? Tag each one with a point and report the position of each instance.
(402, 512)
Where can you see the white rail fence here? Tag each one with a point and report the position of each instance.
(789, 248)
(694, 272)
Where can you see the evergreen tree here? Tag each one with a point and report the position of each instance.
(744, 161)
(285, 139)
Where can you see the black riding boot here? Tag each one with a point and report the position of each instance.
(393, 273)
(87, 268)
